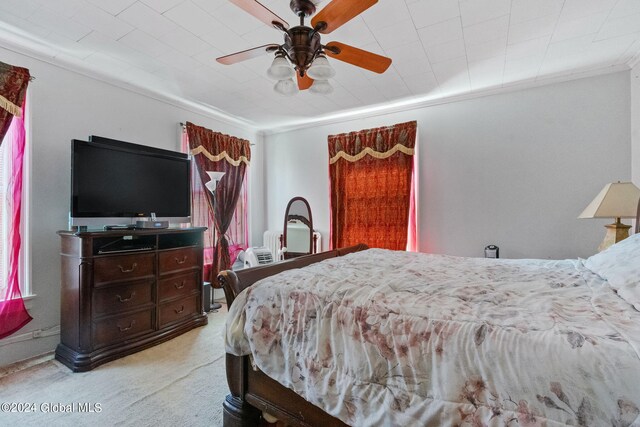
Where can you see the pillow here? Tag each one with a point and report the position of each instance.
(620, 266)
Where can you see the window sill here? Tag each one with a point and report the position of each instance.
(28, 300)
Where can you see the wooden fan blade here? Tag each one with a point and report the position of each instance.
(305, 82)
(358, 57)
(260, 11)
(247, 54)
(338, 12)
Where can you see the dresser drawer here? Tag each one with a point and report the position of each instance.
(121, 298)
(179, 259)
(177, 310)
(123, 267)
(176, 286)
(120, 328)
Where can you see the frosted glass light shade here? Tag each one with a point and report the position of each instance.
(286, 87)
(321, 69)
(215, 178)
(616, 200)
(280, 69)
(322, 87)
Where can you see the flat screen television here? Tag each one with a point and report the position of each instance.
(116, 183)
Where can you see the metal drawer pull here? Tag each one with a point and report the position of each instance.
(131, 295)
(133, 322)
(124, 270)
(179, 311)
(181, 285)
(184, 259)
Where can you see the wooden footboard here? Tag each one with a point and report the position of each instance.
(253, 392)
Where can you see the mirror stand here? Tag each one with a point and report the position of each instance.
(297, 238)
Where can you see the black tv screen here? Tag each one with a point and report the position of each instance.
(118, 179)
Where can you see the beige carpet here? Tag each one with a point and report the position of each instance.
(178, 383)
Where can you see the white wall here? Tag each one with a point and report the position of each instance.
(634, 77)
(512, 169)
(66, 105)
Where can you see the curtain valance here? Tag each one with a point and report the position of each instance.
(380, 143)
(13, 82)
(13, 87)
(217, 146)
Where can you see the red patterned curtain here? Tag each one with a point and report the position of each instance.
(13, 87)
(216, 152)
(371, 177)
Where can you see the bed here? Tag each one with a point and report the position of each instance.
(369, 337)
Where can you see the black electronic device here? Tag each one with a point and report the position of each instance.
(143, 225)
(152, 223)
(116, 182)
(492, 251)
(120, 227)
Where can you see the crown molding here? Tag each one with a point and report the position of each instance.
(423, 102)
(34, 49)
(634, 61)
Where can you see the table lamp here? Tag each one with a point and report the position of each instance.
(616, 200)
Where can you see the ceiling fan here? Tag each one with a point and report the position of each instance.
(302, 52)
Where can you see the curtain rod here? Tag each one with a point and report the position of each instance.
(9, 68)
(184, 125)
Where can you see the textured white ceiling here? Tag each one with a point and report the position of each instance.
(439, 48)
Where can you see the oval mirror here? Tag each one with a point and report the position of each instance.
(298, 229)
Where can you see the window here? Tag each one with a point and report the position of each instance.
(372, 187)
(13, 86)
(379, 216)
(237, 233)
(3, 223)
(6, 155)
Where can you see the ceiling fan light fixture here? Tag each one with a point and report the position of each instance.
(286, 87)
(280, 69)
(321, 69)
(322, 87)
(303, 56)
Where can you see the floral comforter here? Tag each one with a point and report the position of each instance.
(386, 338)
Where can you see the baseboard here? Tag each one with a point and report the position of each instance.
(38, 333)
(26, 363)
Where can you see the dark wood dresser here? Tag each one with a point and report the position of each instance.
(126, 290)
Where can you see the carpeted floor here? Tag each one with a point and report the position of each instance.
(181, 382)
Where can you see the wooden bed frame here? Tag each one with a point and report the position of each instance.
(252, 392)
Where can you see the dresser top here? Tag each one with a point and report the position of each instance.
(132, 232)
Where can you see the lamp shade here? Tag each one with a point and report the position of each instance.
(321, 69)
(616, 200)
(280, 69)
(322, 87)
(286, 87)
(213, 182)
